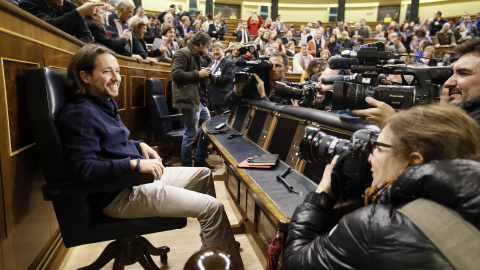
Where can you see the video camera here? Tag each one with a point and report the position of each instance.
(261, 66)
(305, 92)
(351, 174)
(371, 63)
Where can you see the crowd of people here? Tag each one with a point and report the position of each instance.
(411, 159)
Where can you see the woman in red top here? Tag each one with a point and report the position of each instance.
(254, 22)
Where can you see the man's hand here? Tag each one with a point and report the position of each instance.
(148, 152)
(381, 111)
(437, 45)
(444, 96)
(151, 60)
(127, 34)
(204, 72)
(152, 167)
(294, 102)
(138, 57)
(326, 183)
(260, 86)
(88, 9)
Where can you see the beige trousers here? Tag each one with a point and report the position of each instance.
(181, 192)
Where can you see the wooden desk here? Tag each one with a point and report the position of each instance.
(267, 205)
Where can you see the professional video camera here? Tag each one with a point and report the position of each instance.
(305, 92)
(351, 174)
(261, 66)
(371, 64)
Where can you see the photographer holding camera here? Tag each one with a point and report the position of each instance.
(264, 90)
(425, 155)
(461, 89)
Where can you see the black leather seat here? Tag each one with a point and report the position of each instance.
(166, 127)
(80, 222)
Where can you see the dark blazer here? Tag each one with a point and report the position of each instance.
(285, 40)
(100, 35)
(67, 19)
(140, 48)
(180, 30)
(334, 49)
(223, 83)
(239, 35)
(218, 35)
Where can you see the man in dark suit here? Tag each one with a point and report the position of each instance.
(184, 26)
(242, 33)
(220, 83)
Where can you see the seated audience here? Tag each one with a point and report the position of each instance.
(96, 25)
(379, 33)
(420, 34)
(207, 22)
(301, 60)
(324, 56)
(139, 28)
(289, 37)
(366, 28)
(242, 33)
(290, 49)
(215, 30)
(153, 29)
(316, 45)
(197, 26)
(167, 20)
(312, 68)
(64, 15)
(418, 52)
(347, 42)
(397, 46)
(263, 40)
(171, 46)
(425, 152)
(428, 57)
(333, 46)
(445, 36)
(184, 26)
(233, 51)
(462, 34)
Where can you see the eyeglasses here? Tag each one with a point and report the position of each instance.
(376, 144)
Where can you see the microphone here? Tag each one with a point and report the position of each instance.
(391, 62)
(342, 63)
(355, 78)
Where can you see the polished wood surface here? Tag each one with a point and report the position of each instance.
(27, 222)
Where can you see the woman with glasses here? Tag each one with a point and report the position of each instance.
(427, 152)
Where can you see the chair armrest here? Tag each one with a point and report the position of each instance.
(170, 118)
(77, 188)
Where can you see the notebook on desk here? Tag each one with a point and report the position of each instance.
(246, 164)
(264, 159)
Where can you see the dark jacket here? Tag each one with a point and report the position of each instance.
(334, 48)
(180, 30)
(223, 82)
(239, 35)
(435, 28)
(185, 77)
(95, 143)
(377, 236)
(219, 33)
(152, 33)
(140, 48)
(472, 107)
(100, 36)
(115, 25)
(67, 19)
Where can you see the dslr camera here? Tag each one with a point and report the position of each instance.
(370, 64)
(351, 174)
(305, 92)
(261, 66)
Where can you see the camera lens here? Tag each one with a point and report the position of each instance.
(317, 145)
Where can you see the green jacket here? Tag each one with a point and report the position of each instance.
(185, 77)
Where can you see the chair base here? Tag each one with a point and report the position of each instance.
(127, 251)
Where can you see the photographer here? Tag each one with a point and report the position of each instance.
(461, 89)
(425, 152)
(264, 90)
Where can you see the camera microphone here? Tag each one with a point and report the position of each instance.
(355, 78)
(342, 63)
(391, 62)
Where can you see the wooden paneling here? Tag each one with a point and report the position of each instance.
(56, 58)
(138, 92)
(121, 99)
(21, 133)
